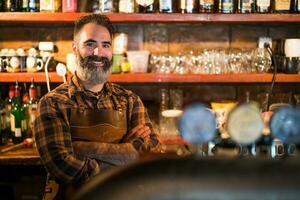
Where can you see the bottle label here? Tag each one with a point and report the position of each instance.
(183, 4)
(189, 5)
(25, 4)
(23, 125)
(18, 132)
(126, 6)
(47, 5)
(264, 4)
(145, 3)
(32, 114)
(12, 123)
(282, 4)
(32, 4)
(165, 5)
(206, 2)
(227, 6)
(69, 5)
(245, 5)
(2, 119)
(298, 7)
(105, 6)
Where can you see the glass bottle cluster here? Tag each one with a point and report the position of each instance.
(153, 6)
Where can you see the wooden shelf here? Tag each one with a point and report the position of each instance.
(153, 18)
(163, 78)
(204, 78)
(39, 77)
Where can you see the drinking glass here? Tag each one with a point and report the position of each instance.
(261, 60)
(235, 61)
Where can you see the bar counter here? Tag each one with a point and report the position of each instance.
(21, 156)
(21, 170)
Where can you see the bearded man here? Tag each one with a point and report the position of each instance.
(89, 125)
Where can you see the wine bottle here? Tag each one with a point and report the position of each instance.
(126, 6)
(32, 104)
(295, 6)
(206, 6)
(2, 5)
(263, 6)
(167, 6)
(17, 121)
(227, 6)
(25, 110)
(34, 6)
(246, 6)
(188, 6)
(281, 6)
(25, 6)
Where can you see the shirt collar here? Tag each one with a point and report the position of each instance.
(75, 87)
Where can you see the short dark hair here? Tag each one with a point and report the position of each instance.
(101, 20)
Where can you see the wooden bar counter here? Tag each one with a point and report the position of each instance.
(21, 156)
(22, 174)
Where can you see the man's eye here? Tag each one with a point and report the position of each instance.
(106, 45)
(89, 44)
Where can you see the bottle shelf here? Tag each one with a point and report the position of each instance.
(162, 78)
(22, 17)
(39, 77)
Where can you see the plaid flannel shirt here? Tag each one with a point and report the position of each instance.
(52, 128)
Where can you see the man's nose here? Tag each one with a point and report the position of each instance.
(98, 51)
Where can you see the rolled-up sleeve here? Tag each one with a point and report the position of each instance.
(139, 116)
(53, 140)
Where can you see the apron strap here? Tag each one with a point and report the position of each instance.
(80, 102)
(116, 103)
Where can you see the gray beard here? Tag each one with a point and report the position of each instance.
(92, 76)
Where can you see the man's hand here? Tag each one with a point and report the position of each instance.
(142, 131)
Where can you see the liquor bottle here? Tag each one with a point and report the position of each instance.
(281, 6)
(227, 6)
(295, 6)
(146, 6)
(32, 104)
(246, 6)
(207, 6)
(34, 6)
(126, 6)
(188, 6)
(11, 6)
(263, 6)
(50, 6)
(9, 100)
(17, 121)
(25, 111)
(2, 5)
(25, 6)
(167, 6)
(69, 6)
(103, 6)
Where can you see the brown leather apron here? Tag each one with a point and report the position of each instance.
(92, 125)
(88, 124)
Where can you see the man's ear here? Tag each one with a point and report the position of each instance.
(74, 47)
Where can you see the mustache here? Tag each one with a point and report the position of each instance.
(87, 61)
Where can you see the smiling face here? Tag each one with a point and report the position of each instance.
(93, 49)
